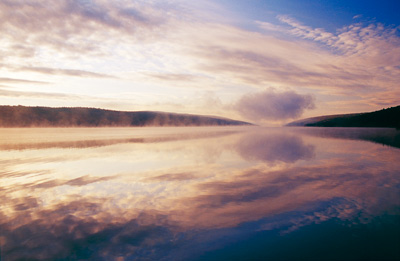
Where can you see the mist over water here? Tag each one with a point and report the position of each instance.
(208, 193)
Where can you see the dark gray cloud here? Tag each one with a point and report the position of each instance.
(272, 105)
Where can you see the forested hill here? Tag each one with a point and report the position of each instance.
(386, 118)
(22, 116)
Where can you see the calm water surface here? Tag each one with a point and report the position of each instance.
(222, 193)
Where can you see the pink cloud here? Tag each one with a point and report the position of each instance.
(272, 105)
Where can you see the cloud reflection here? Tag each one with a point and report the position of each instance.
(274, 147)
(79, 230)
(268, 193)
(95, 139)
(267, 180)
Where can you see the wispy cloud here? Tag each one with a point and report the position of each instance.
(75, 26)
(364, 41)
(20, 81)
(58, 71)
(317, 34)
(76, 38)
(173, 177)
(9, 93)
(174, 77)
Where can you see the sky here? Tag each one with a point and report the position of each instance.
(267, 62)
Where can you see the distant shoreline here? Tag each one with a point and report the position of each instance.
(42, 117)
(385, 118)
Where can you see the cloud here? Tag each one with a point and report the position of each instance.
(67, 16)
(76, 27)
(58, 71)
(22, 81)
(371, 41)
(81, 181)
(317, 34)
(51, 95)
(174, 77)
(173, 177)
(269, 26)
(272, 105)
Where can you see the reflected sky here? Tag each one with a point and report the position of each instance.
(197, 194)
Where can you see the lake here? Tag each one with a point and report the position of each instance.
(205, 193)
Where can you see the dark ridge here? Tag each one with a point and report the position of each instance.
(386, 118)
(23, 116)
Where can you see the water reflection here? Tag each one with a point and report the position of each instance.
(216, 194)
(386, 136)
(274, 146)
(92, 137)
